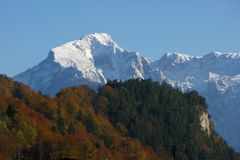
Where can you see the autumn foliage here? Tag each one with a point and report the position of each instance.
(34, 126)
(79, 123)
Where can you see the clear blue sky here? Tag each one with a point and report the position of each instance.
(29, 29)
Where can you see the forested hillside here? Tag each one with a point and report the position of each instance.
(163, 118)
(137, 119)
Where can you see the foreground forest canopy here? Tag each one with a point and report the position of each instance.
(135, 120)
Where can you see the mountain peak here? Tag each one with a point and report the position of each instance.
(176, 57)
(103, 38)
(217, 54)
(214, 54)
(79, 53)
(176, 54)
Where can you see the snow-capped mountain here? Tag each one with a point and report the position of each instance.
(91, 60)
(95, 58)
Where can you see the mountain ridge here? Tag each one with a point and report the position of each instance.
(95, 58)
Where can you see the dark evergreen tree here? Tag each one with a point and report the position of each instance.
(11, 111)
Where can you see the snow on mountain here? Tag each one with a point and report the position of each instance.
(176, 58)
(223, 96)
(95, 58)
(216, 76)
(91, 60)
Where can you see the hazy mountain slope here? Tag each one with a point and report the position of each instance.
(95, 58)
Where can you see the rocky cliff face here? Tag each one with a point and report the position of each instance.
(205, 122)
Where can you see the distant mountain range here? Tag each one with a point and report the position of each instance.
(95, 58)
